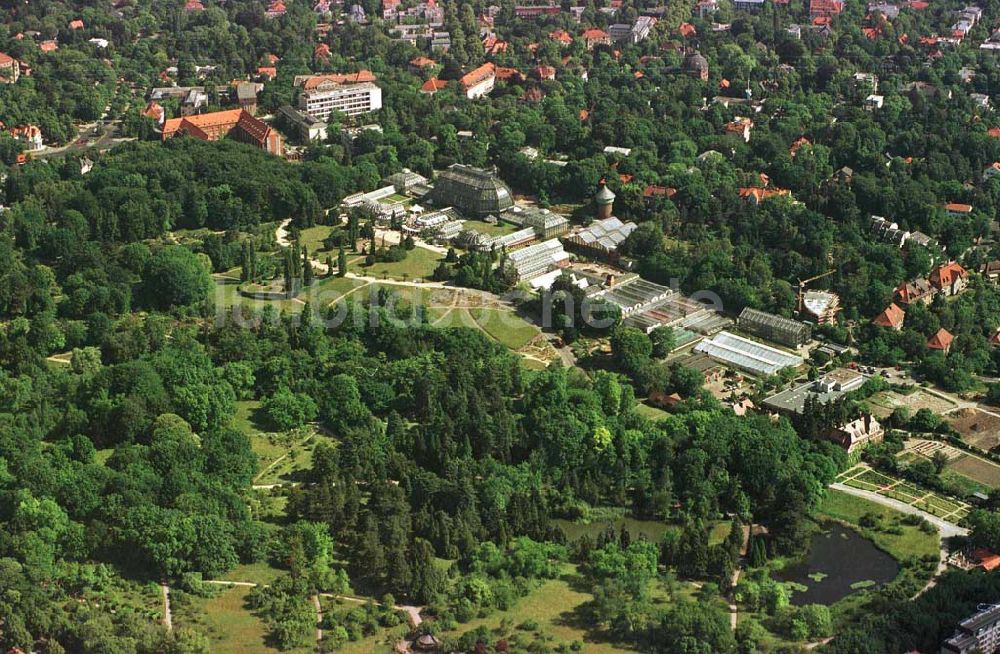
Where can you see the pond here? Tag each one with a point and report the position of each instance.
(840, 561)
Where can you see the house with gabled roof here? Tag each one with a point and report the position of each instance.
(950, 278)
(891, 318)
(913, 292)
(940, 341)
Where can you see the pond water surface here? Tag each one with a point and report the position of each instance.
(840, 561)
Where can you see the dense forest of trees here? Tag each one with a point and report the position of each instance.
(121, 461)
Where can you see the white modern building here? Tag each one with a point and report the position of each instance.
(349, 99)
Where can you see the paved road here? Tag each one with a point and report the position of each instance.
(945, 528)
(106, 140)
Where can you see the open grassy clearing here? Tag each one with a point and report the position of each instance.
(650, 412)
(255, 573)
(279, 455)
(910, 542)
(224, 618)
(418, 264)
(312, 238)
(553, 606)
(506, 327)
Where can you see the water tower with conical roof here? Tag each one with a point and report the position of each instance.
(605, 201)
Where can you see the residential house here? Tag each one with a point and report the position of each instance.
(916, 291)
(706, 8)
(418, 65)
(891, 318)
(10, 69)
(991, 171)
(562, 37)
(991, 271)
(950, 278)
(956, 209)
(940, 341)
(753, 6)
(757, 194)
(543, 72)
(889, 232)
(594, 37)
(739, 127)
(825, 8)
(28, 135)
(433, 85)
(154, 111)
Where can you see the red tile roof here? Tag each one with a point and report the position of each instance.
(948, 274)
(339, 78)
(941, 340)
(433, 85)
(562, 36)
(48, 46)
(687, 30)
(892, 317)
(477, 75)
(421, 62)
(508, 74)
(653, 191)
(988, 561)
(760, 194)
(594, 34)
(76, 24)
(544, 72)
(154, 111)
(955, 207)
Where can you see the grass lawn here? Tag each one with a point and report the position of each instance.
(230, 626)
(500, 229)
(312, 238)
(419, 263)
(506, 327)
(552, 605)
(278, 454)
(533, 364)
(256, 573)
(912, 542)
(650, 412)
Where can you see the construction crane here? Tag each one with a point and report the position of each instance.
(804, 282)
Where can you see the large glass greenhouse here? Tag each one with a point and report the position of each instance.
(473, 191)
